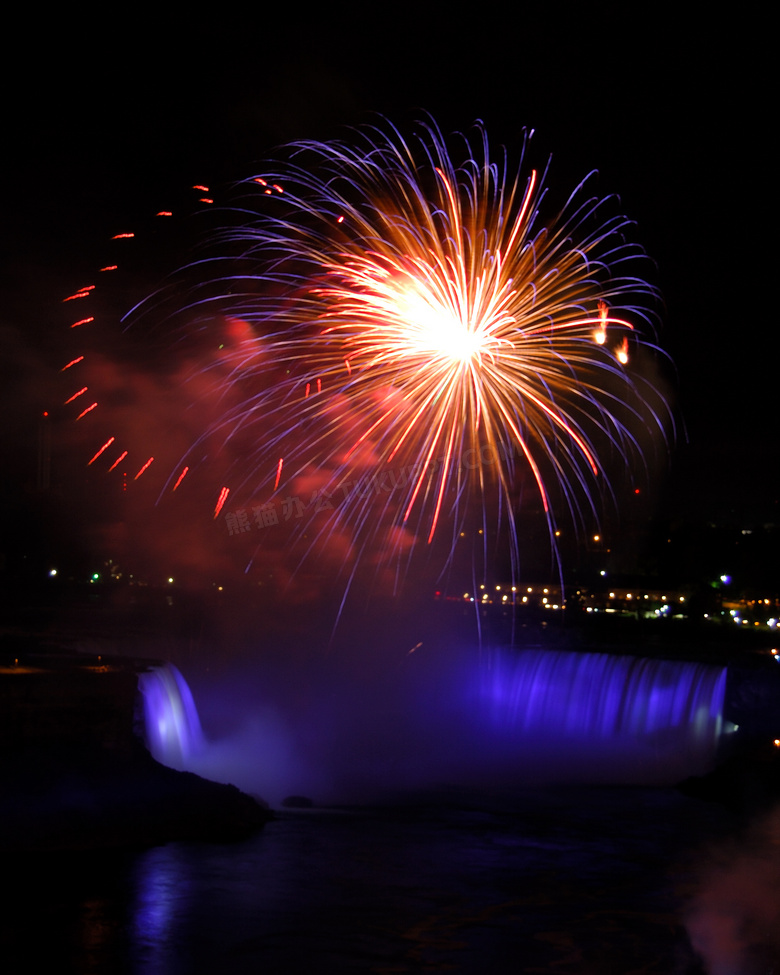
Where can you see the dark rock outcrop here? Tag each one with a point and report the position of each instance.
(70, 799)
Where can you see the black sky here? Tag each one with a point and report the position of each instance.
(105, 122)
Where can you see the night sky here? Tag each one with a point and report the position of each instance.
(107, 123)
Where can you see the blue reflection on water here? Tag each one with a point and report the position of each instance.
(456, 881)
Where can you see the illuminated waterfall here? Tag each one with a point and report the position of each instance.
(171, 723)
(606, 716)
(510, 717)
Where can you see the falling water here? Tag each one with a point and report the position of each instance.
(510, 717)
(618, 717)
(171, 723)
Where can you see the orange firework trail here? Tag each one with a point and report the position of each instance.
(437, 312)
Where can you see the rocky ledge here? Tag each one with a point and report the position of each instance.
(73, 799)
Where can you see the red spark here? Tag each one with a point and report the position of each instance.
(84, 321)
(181, 478)
(79, 393)
(278, 472)
(221, 500)
(88, 410)
(105, 445)
(72, 363)
(143, 468)
(120, 458)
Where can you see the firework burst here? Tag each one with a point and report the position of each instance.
(406, 308)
